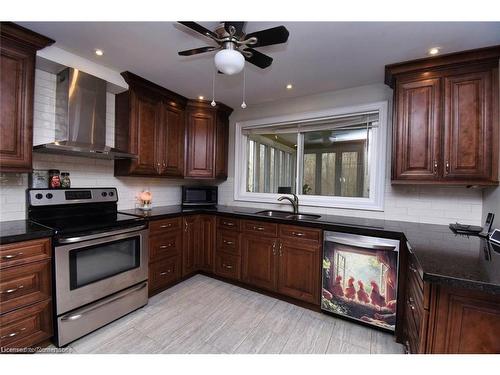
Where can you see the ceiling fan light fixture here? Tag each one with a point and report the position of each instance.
(229, 61)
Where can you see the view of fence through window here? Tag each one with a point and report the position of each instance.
(333, 159)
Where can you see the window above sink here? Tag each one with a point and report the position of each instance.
(333, 158)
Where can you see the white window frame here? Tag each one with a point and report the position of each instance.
(377, 156)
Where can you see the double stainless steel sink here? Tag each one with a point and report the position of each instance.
(288, 215)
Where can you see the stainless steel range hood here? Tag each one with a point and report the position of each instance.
(81, 118)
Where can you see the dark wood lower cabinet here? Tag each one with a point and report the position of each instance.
(299, 270)
(206, 246)
(25, 293)
(443, 320)
(190, 242)
(259, 261)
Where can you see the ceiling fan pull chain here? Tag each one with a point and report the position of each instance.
(244, 105)
(213, 104)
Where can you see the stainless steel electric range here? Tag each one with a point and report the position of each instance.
(100, 261)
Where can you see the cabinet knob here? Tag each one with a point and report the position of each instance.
(447, 167)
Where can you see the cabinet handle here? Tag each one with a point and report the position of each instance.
(435, 167)
(281, 249)
(185, 226)
(274, 248)
(9, 291)
(410, 304)
(228, 242)
(258, 228)
(11, 256)
(166, 225)
(298, 234)
(228, 223)
(228, 266)
(413, 269)
(447, 167)
(13, 334)
(165, 272)
(166, 246)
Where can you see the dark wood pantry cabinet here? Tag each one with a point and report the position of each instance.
(445, 120)
(18, 48)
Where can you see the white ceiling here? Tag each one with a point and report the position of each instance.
(318, 57)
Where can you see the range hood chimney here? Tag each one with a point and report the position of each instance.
(81, 118)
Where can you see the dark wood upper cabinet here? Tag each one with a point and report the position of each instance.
(171, 135)
(417, 130)
(207, 136)
(445, 123)
(18, 48)
(149, 122)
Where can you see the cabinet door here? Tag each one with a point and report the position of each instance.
(207, 245)
(299, 270)
(146, 110)
(416, 133)
(190, 243)
(466, 322)
(259, 261)
(16, 108)
(200, 144)
(173, 142)
(468, 125)
(221, 145)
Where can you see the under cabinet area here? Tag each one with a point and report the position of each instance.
(445, 122)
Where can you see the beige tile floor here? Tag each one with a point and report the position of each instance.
(204, 315)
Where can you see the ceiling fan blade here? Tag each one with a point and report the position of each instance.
(257, 58)
(275, 35)
(196, 51)
(199, 29)
(238, 26)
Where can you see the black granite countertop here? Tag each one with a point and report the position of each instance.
(444, 257)
(22, 230)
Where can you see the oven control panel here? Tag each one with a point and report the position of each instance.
(52, 197)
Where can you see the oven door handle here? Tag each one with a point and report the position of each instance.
(99, 235)
(80, 313)
(364, 245)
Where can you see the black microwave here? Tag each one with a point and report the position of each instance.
(199, 195)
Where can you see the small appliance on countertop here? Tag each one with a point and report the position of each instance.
(199, 196)
(100, 261)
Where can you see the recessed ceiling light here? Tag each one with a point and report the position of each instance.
(289, 86)
(99, 52)
(201, 97)
(434, 51)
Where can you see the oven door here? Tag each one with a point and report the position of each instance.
(92, 267)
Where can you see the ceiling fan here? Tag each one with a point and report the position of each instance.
(234, 46)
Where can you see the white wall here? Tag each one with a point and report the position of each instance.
(84, 172)
(430, 204)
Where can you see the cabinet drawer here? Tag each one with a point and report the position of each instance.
(165, 225)
(24, 252)
(23, 285)
(300, 233)
(164, 272)
(227, 265)
(165, 245)
(26, 327)
(228, 242)
(261, 228)
(228, 223)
